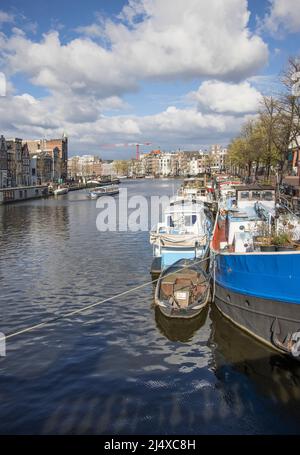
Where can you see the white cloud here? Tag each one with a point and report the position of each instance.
(222, 97)
(5, 17)
(92, 30)
(25, 116)
(174, 39)
(87, 76)
(284, 16)
(190, 38)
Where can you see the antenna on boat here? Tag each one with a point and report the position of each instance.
(277, 199)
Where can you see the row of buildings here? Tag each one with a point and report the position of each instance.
(180, 163)
(26, 162)
(80, 167)
(156, 163)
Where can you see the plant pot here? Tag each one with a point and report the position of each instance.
(266, 248)
(285, 248)
(259, 239)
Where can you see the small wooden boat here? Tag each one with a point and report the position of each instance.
(183, 289)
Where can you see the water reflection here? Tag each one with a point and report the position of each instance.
(121, 367)
(178, 329)
(274, 376)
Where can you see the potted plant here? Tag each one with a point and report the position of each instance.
(263, 238)
(282, 242)
(267, 245)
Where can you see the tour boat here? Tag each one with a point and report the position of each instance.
(61, 190)
(183, 289)
(183, 234)
(109, 190)
(256, 283)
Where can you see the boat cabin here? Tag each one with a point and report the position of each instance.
(194, 189)
(246, 213)
(182, 219)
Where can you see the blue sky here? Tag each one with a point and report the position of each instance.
(178, 74)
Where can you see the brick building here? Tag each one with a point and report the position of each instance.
(3, 163)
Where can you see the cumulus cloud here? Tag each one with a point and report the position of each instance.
(26, 116)
(5, 17)
(87, 76)
(224, 97)
(283, 16)
(172, 40)
(93, 30)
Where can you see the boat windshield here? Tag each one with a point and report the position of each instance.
(255, 195)
(185, 221)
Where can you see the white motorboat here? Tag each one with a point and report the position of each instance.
(61, 190)
(109, 190)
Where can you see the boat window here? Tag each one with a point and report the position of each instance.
(187, 220)
(244, 194)
(256, 194)
(190, 220)
(268, 195)
(170, 221)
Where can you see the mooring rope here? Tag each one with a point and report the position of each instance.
(80, 310)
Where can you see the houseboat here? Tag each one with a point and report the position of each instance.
(255, 248)
(183, 234)
(194, 189)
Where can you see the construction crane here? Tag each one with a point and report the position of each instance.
(137, 156)
(137, 146)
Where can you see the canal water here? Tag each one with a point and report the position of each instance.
(120, 368)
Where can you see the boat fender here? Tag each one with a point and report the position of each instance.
(296, 346)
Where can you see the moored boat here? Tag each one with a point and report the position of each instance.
(109, 190)
(183, 234)
(257, 289)
(183, 289)
(61, 190)
(195, 189)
